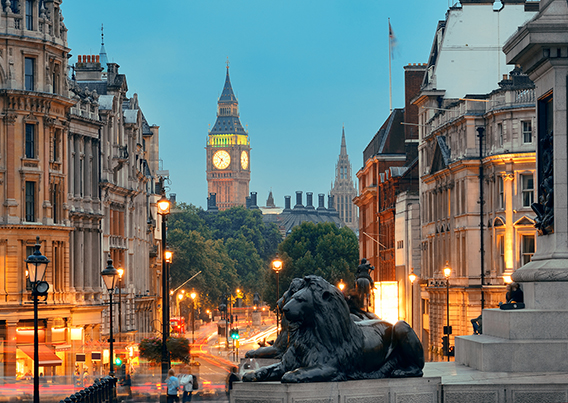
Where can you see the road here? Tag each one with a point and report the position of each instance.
(215, 360)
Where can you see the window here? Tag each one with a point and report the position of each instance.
(29, 15)
(30, 201)
(527, 190)
(500, 134)
(29, 74)
(56, 136)
(500, 194)
(501, 246)
(527, 131)
(55, 203)
(527, 248)
(30, 141)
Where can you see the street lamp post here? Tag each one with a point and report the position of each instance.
(36, 265)
(412, 278)
(110, 275)
(447, 330)
(193, 295)
(277, 266)
(120, 273)
(163, 206)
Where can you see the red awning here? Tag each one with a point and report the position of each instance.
(47, 357)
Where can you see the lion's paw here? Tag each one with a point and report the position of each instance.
(249, 377)
(291, 377)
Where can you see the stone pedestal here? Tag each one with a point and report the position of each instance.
(536, 338)
(425, 390)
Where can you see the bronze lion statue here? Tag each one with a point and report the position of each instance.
(326, 344)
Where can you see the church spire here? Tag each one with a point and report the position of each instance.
(103, 54)
(343, 145)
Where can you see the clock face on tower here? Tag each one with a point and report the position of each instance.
(244, 160)
(221, 159)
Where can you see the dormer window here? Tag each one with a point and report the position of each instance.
(29, 15)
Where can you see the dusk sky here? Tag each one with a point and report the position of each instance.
(301, 71)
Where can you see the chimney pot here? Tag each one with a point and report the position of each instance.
(98, 58)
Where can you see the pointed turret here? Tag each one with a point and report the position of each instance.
(228, 111)
(228, 96)
(343, 189)
(103, 54)
(343, 144)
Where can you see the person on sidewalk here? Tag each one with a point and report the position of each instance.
(173, 385)
(186, 382)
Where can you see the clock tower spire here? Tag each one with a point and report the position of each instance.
(228, 152)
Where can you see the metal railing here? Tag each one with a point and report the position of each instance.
(102, 391)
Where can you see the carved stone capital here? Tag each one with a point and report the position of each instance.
(10, 118)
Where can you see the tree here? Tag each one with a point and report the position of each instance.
(322, 249)
(151, 349)
(229, 247)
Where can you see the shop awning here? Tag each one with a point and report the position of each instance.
(47, 358)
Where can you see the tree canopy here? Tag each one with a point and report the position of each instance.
(231, 248)
(322, 249)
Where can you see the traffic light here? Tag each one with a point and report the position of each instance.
(118, 361)
(235, 334)
(445, 345)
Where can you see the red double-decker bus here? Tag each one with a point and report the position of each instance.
(177, 325)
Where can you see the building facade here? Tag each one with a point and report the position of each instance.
(391, 172)
(78, 170)
(34, 192)
(126, 179)
(228, 153)
(476, 165)
(343, 190)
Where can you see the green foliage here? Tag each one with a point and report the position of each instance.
(151, 349)
(322, 249)
(231, 249)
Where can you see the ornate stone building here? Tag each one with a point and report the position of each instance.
(125, 196)
(477, 165)
(78, 166)
(34, 104)
(343, 189)
(388, 183)
(228, 153)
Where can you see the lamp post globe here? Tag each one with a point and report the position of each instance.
(110, 276)
(277, 265)
(193, 295)
(447, 274)
(36, 266)
(163, 209)
(412, 278)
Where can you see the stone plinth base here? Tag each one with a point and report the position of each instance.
(524, 340)
(494, 354)
(426, 390)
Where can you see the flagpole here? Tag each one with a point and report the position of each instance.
(390, 74)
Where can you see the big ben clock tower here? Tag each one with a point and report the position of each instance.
(228, 153)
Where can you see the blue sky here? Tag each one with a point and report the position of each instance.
(300, 69)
